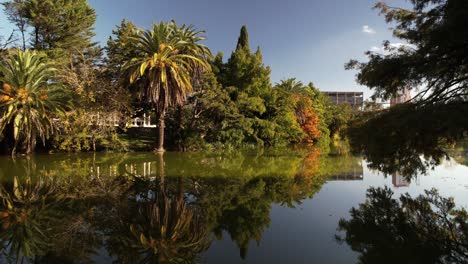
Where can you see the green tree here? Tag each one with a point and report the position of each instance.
(435, 59)
(30, 99)
(291, 85)
(269, 111)
(15, 12)
(120, 48)
(165, 68)
(243, 40)
(62, 27)
(246, 71)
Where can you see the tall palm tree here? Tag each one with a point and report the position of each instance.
(170, 57)
(29, 99)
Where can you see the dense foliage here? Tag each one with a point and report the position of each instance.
(163, 69)
(197, 100)
(29, 100)
(236, 105)
(433, 65)
(435, 59)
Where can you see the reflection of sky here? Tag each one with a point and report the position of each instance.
(306, 234)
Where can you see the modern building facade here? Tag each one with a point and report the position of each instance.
(400, 181)
(403, 97)
(355, 99)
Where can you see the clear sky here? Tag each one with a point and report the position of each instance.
(307, 39)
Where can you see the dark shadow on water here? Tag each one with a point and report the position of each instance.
(425, 229)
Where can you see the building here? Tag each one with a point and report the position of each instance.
(400, 181)
(402, 97)
(355, 99)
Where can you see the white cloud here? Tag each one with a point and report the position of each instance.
(368, 30)
(391, 46)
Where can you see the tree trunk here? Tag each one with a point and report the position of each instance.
(31, 143)
(179, 130)
(162, 190)
(36, 40)
(23, 37)
(160, 146)
(93, 140)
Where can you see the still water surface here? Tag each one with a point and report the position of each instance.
(272, 206)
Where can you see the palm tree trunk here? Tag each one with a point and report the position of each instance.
(31, 144)
(160, 147)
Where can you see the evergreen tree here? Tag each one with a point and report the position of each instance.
(245, 70)
(270, 112)
(60, 27)
(435, 61)
(121, 47)
(243, 40)
(15, 14)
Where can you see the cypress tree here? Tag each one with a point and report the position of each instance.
(120, 48)
(243, 40)
(268, 113)
(245, 70)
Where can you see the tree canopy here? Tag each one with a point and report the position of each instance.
(433, 63)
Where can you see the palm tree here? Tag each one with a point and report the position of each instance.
(29, 99)
(170, 57)
(291, 85)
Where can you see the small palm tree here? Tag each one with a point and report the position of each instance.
(170, 56)
(29, 99)
(291, 85)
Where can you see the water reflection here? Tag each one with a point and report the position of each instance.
(171, 208)
(408, 139)
(30, 213)
(425, 229)
(146, 208)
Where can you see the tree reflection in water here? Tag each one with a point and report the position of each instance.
(157, 225)
(166, 209)
(29, 213)
(425, 229)
(77, 209)
(407, 139)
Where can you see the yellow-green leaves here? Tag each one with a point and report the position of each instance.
(34, 96)
(143, 67)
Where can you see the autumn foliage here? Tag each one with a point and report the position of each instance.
(307, 118)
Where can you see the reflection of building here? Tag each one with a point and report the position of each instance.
(400, 181)
(402, 97)
(356, 174)
(355, 99)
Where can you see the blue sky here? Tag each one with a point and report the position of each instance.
(307, 39)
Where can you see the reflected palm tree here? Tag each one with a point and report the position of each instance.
(161, 226)
(28, 213)
(425, 229)
(168, 231)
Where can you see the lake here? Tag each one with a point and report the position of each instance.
(263, 206)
